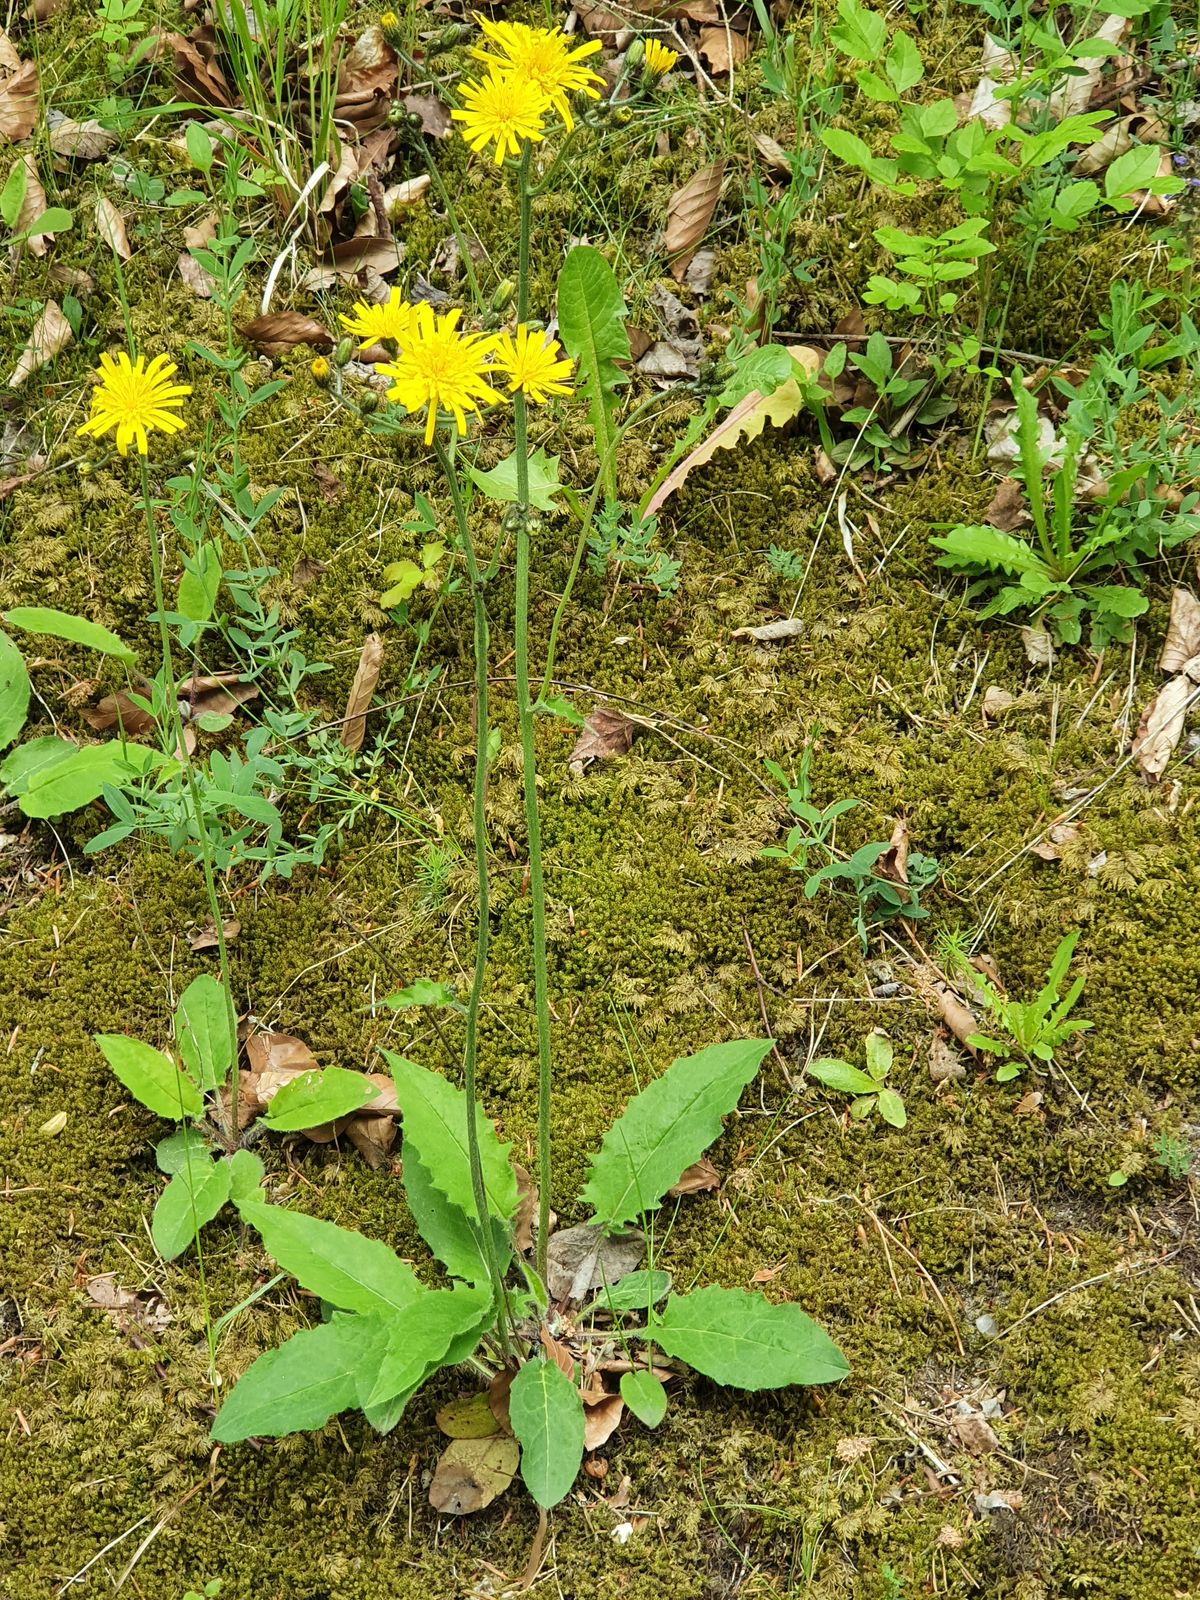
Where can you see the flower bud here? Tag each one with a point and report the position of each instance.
(344, 351)
(502, 298)
(320, 370)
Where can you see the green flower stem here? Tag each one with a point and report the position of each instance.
(479, 817)
(525, 714)
(175, 725)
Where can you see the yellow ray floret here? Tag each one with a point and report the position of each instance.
(533, 364)
(503, 110)
(369, 323)
(659, 60)
(440, 367)
(135, 399)
(544, 57)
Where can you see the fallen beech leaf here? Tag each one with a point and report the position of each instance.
(81, 141)
(893, 863)
(723, 48)
(281, 331)
(697, 1179)
(1009, 509)
(275, 1053)
(527, 1206)
(746, 420)
(194, 275)
(771, 632)
(1077, 88)
(307, 570)
(997, 66)
(10, 59)
(49, 334)
(205, 938)
(127, 1306)
(409, 193)
(11, 485)
(601, 1419)
(469, 1417)
(973, 1431)
(118, 711)
(558, 1353)
(110, 225)
(1039, 646)
(606, 732)
(1161, 726)
(689, 212)
(498, 1397)
(1181, 647)
(373, 1138)
(32, 206)
(471, 1473)
(370, 662)
(198, 75)
(996, 701)
(1029, 1105)
(19, 103)
(944, 1063)
(434, 115)
(219, 695)
(72, 279)
(776, 157)
(585, 1258)
(349, 257)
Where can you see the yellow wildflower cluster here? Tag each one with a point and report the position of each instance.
(533, 72)
(440, 367)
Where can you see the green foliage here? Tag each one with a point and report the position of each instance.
(1173, 1156)
(636, 1291)
(151, 1077)
(75, 630)
(500, 483)
(424, 992)
(14, 692)
(308, 1379)
(435, 1121)
(452, 1236)
(925, 264)
(645, 1396)
(349, 1271)
(1033, 1030)
(547, 1419)
(202, 1032)
(317, 1097)
(195, 1194)
(742, 1340)
(667, 1127)
(869, 1087)
(591, 322)
(628, 540)
(404, 578)
(50, 776)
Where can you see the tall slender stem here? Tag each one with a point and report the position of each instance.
(479, 820)
(182, 755)
(525, 713)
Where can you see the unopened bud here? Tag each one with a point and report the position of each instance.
(502, 298)
(344, 351)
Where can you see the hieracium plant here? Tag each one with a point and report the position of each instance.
(385, 1331)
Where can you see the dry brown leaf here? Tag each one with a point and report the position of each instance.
(771, 632)
(527, 1207)
(774, 155)
(308, 569)
(471, 1473)
(218, 695)
(1059, 836)
(601, 1419)
(433, 114)
(205, 938)
(893, 863)
(557, 1352)
(349, 257)
(498, 1398)
(118, 711)
(1039, 646)
(194, 275)
(411, 192)
(1161, 726)
(33, 205)
(19, 103)
(50, 334)
(997, 66)
(606, 732)
(1008, 510)
(201, 233)
(373, 1138)
(973, 1431)
(275, 1053)
(996, 701)
(110, 225)
(689, 212)
(81, 141)
(281, 331)
(197, 73)
(10, 58)
(700, 1177)
(11, 485)
(1181, 647)
(945, 1065)
(723, 48)
(128, 1307)
(1029, 1105)
(1076, 92)
(72, 279)
(370, 663)
(585, 1258)
(958, 1017)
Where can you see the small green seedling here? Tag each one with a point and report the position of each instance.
(1034, 1029)
(870, 1091)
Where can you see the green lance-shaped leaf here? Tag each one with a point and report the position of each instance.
(303, 1383)
(75, 630)
(323, 1095)
(202, 1031)
(193, 1197)
(667, 1127)
(14, 691)
(79, 776)
(440, 1327)
(591, 321)
(547, 1417)
(343, 1267)
(435, 1118)
(151, 1077)
(645, 1397)
(740, 1339)
(841, 1075)
(445, 1227)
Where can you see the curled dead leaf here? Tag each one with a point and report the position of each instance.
(585, 1258)
(700, 1177)
(945, 1064)
(471, 1472)
(557, 1352)
(958, 1017)
(366, 678)
(996, 701)
(19, 102)
(1059, 837)
(205, 937)
(771, 632)
(1161, 727)
(280, 331)
(1009, 509)
(689, 212)
(49, 334)
(601, 1419)
(1181, 647)
(373, 1138)
(81, 141)
(893, 863)
(110, 225)
(723, 48)
(606, 732)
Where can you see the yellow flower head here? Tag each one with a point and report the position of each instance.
(369, 323)
(136, 400)
(389, 19)
(440, 367)
(319, 368)
(542, 56)
(533, 364)
(503, 110)
(659, 60)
